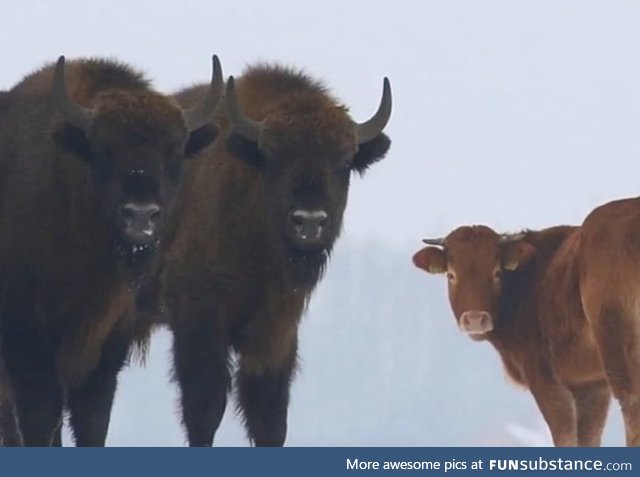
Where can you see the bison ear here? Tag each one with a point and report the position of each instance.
(517, 254)
(431, 260)
(245, 149)
(370, 152)
(72, 140)
(199, 139)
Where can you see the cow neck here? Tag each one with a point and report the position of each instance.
(514, 320)
(519, 321)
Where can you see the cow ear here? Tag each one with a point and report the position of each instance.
(370, 152)
(245, 150)
(72, 140)
(517, 254)
(431, 260)
(200, 139)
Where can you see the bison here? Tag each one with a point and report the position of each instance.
(9, 432)
(91, 160)
(560, 307)
(258, 217)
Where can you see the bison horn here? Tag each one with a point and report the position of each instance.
(240, 123)
(505, 238)
(368, 130)
(435, 241)
(77, 115)
(202, 113)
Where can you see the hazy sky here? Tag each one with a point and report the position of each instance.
(510, 113)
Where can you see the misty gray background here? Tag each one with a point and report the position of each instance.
(508, 113)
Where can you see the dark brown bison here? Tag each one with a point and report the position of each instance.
(560, 306)
(9, 433)
(256, 223)
(90, 170)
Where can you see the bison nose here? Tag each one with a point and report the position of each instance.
(141, 221)
(308, 225)
(476, 322)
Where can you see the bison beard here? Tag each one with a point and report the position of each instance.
(67, 281)
(235, 276)
(135, 259)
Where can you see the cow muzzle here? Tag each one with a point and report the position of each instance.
(141, 222)
(475, 323)
(307, 228)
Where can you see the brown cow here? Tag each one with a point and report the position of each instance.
(556, 304)
(255, 228)
(91, 159)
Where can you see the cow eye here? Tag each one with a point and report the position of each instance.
(451, 277)
(497, 274)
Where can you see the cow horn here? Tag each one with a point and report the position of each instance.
(240, 123)
(440, 242)
(505, 238)
(368, 130)
(77, 115)
(202, 113)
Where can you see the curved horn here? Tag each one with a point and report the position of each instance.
(241, 124)
(77, 115)
(505, 238)
(202, 113)
(368, 130)
(440, 242)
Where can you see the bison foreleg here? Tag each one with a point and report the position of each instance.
(201, 366)
(9, 431)
(30, 365)
(90, 404)
(263, 399)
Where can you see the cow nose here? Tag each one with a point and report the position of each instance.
(476, 322)
(308, 224)
(141, 221)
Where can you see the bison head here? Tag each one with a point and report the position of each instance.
(475, 260)
(306, 148)
(134, 142)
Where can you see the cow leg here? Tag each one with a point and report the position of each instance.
(263, 396)
(90, 404)
(592, 404)
(30, 365)
(616, 336)
(201, 365)
(557, 405)
(630, 406)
